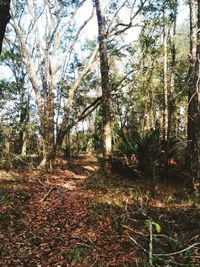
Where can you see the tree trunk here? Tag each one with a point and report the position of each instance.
(24, 144)
(165, 78)
(48, 131)
(4, 18)
(24, 118)
(106, 90)
(193, 130)
(172, 105)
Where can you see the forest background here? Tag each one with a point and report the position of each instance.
(141, 102)
(99, 133)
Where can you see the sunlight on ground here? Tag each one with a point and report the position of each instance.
(91, 168)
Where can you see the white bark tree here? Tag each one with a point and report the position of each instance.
(105, 84)
(46, 38)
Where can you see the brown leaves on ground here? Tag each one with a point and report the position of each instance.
(73, 216)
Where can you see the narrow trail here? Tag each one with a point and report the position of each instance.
(73, 216)
(43, 215)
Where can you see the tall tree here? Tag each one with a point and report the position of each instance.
(105, 83)
(165, 74)
(44, 54)
(4, 18)
(171, 103)
(194, 94)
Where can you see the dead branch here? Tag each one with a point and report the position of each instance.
(47, 194)
(138, 245)
(88, 110)
(178, 252)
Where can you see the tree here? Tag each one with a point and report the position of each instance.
(20, 95)
(194, 94)
(105, 84)
(165, 74)
(171, 101)
(4, 19)
(45, 55)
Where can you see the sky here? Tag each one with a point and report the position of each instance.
(91, 29)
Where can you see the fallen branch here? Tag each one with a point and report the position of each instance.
(167, 254)
(47, 194)
(177, 252)
(132, 230)
(84, 241)
(138, 245)
(94, 263)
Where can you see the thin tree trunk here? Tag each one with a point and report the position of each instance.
(165, 78)
(193, 130)
(171, 114)
(48, 131)
(106, 90)
(24, 144)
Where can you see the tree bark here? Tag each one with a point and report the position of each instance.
(193, 130)
(165, 78)
(4, 19)
(105, 83)
(172, 102)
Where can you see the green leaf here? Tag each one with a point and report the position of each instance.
(158, 228)
(147, 223)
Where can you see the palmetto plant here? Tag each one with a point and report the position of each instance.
(148, 150)
(145, 146)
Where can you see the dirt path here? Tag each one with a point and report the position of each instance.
(42, 215)
(73, 216)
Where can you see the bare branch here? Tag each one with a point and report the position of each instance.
(114, 31)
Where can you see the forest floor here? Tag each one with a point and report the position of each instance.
(74, 216)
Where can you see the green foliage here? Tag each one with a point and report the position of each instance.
(145, 146)
(10, 55)
(78, 253)
(123, 148)
(81, 142)
(157, 226)
(2, 140)
(148, 150)
(170, 149)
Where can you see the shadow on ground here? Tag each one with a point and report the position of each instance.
(74, 216)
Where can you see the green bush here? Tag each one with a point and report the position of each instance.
(148, 150)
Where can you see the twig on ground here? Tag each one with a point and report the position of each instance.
(138, 245)
(47, 194)
(195, 237)
(182, 264)
(90, 241)
(128, 228)
(167, 237)
(163, 255)
(177, 252)
(83, 244)
(83, 240)
(94, 263)
(40, 181)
